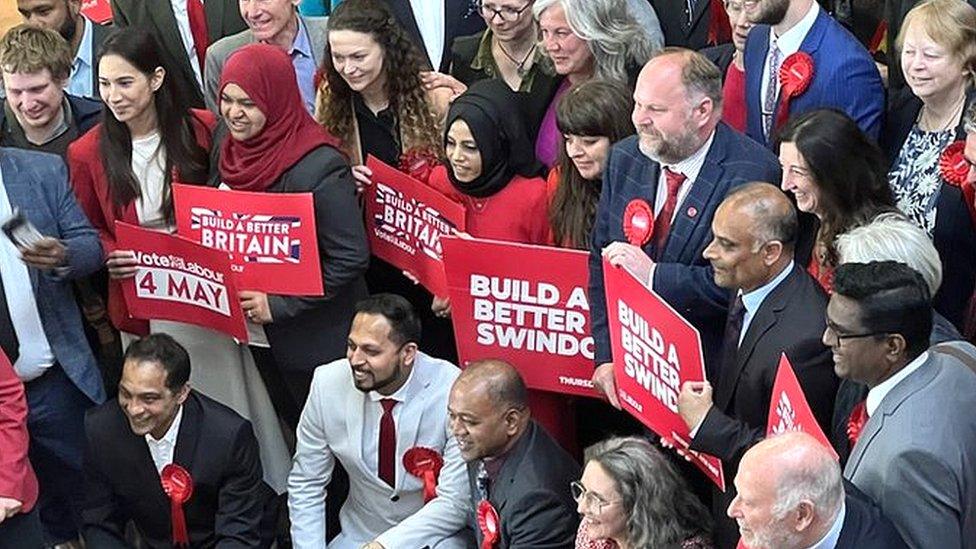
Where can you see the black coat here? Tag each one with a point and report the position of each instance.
(789, 320)
(865, 527)
(531, 494)
(954, 234)
(215, 445)
(461, 18)
(673, 15)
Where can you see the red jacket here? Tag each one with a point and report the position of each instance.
(91, 187)
(17, 480)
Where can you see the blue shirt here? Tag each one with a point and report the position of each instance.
(753, 300)
(80, 83)
(304, 62)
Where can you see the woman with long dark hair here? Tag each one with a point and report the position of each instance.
(591, 117)
(835, 172)
(124, 170)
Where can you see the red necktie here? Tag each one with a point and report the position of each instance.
(662, 223)
(856, 421)
(198, 28)
(386, 465)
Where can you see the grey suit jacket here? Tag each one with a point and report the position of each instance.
(219, 51)
(917, 454)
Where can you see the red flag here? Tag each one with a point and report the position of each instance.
(788, 409)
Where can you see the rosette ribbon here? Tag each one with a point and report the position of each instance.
(424, 463)
(489, 523)
(638, 222)
(954, 170)
(418, 163)
(178, 486)
(795, 76)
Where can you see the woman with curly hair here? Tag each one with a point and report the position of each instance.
(591, 118)
(631, 496)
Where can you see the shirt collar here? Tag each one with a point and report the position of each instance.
(302, 45)
(171, 434)
(754, 299)
(877, 394)
(84, 55)
(791, 40)
(401, 393)
(689, 167)
(829, 541)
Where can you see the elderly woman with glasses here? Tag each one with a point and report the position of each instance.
(631, 497)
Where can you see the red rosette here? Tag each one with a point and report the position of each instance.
(953, 166)
(489, 523)
(178, 486)
(424, 463)
(795, 75)
(638, 222)
(418, 163)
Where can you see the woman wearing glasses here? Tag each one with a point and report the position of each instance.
(631, 497)
(509, 50)
(836, 173)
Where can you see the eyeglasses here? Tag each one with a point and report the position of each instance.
(506, 14)
(840, 337)
(587, 498)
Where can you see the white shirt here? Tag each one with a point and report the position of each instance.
(829, 541)
(371, 423)
(754, 299)
(788, 44)
(35, 351)
(183, 24)
(149, 167)
(429, 16)
(689, 167)
(162, 449)
(877, 394)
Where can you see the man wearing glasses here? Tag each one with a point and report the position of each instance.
(916, 443)
(777, 309)
(517, 473)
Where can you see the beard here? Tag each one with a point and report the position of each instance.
(668, 150)
(68, 28)
(772, 12)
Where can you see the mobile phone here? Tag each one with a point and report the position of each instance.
(20, 230)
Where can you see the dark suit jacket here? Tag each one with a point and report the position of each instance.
(845, 77)
(673, 15)
(682, 276)
(721, 55)
(954, 235)
(223, 19)
(214, 444)
(343, 252)
(37, 183)
(461, 18)
(789, 320)
(865, 527)
(531, 494)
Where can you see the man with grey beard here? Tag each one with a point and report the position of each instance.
(670, 178)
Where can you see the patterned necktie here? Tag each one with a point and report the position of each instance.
(775, 59)
(662, 224)
(482, 481)
(386, 465)
(856, 421)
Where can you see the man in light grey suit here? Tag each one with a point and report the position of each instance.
(368, 411)
(915, 453)
(273, 22)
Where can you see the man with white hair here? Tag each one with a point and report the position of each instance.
(791, 496)
(889, 237)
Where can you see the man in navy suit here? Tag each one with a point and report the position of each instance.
(844, 75)
(681, 165)
(41, 330)
(791, 495)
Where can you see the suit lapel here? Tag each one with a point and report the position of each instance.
(215, 17)
(811, 43)
(189, 435)
(410, 416)
(169, 34)
(506, 476)
(355, 408)
(757, 48)
(646, 187)
(699, 7)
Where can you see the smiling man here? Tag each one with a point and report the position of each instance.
(777, 309)
(158, 420)
(513, 463)
(368, 411)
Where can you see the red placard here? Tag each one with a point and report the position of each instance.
(99, 11)
(405, 220)
(789, 410)
(655, 351)
(180, 280)
(526, 305)
(270, 236)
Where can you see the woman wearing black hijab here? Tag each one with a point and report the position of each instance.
(491, 167)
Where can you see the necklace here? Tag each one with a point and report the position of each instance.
(943, 126)
(519, 65)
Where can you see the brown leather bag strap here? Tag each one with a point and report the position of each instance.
(957, 353)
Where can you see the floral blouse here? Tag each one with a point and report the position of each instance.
(584, 541)
(915, 180)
